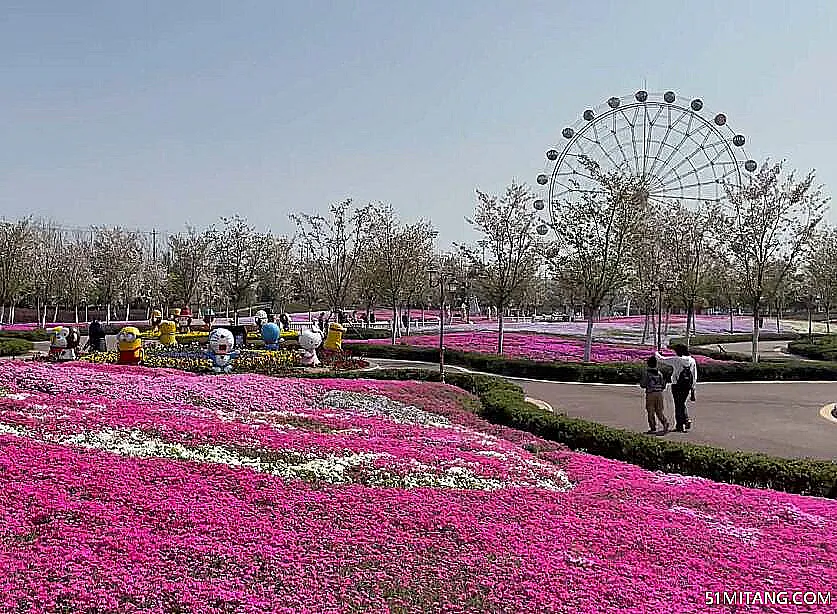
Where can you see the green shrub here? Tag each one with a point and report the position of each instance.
(36, 334)
(818, 347)
(504, 403)
(733, 338)
(10, 346)
(610, 373)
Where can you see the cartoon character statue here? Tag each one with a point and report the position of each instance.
(130, 346)
(221, 350)
(271, 335)
(334, 340)
(184, 320)
(167, 331)
(156, 318)
(309, 340)
(63, 342)
(260, 318)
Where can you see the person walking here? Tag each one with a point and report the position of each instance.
(654, 382)
(683, 381)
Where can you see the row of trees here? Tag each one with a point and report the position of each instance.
(768, 247)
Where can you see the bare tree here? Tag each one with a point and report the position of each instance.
(772, 221)
(16, 243)
(77, 278)
(821, 270)
(47, 258)
(595, 230)
(191, 262)
(243, 262)
(336, 244)
(277, 281)
(506, 224)
(690, 237)
(117, 256)
(398, 247)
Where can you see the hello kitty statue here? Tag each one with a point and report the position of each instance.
(309, 340)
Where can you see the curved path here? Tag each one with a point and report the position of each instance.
(778, 418)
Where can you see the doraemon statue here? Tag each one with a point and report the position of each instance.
(63, 343)
(221, 350)
(130, 346)
(271, 335)
(309, 340)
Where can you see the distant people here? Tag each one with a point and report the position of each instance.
(372, 317)
(321, 321)
(285, 321)
(405, 320)
(683, 381)
(653, 382)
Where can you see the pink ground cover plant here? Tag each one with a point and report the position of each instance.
(138, 490)
(535, 346)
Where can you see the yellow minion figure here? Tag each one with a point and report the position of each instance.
(130, 346)
(334, 340)
(167, 331)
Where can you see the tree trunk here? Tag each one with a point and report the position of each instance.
(128, 312)
(628, 308)
(394, 322)
(55, 316)
(107, 316)
(588, 340)
(827, 318)
(755, 348)
(2, 311)
(12, 314)
(76, 311)
(810, 323)
(778, 317)
(500, 315)
(645, 326)
(731, 322)
(668, 318)
(689, 315)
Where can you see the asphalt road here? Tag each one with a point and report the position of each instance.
(781, 418)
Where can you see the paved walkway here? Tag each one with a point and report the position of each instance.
(781, 418)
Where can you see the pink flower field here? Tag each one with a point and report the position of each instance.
(140, 490)
(534, 346)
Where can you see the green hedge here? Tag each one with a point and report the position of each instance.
(13, 346)
(503, 403)
(37, 334)
(820, 347)
(733, 338)
(609, 373)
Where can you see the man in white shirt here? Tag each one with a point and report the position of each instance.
(683, 381)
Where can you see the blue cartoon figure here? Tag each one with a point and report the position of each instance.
(271, 335)
(221, 350)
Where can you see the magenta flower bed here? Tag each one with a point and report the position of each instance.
(138, 490)
(535, 346)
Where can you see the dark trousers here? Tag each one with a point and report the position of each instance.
(681, 414)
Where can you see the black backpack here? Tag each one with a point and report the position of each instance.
(685, 379)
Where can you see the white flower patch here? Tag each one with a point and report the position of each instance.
(15, 396)
(675, 479)
(791, 511)
(375, 406)
(749, 535)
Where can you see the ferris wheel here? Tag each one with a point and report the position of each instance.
(676, 151)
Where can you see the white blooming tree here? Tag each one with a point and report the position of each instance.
(772, 223)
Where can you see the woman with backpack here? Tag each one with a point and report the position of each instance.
(683, 381)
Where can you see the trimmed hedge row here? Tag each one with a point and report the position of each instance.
(37, 334)
(503, 403)
(13, 346)
(822, 347)
(733, 338)
(608, 373)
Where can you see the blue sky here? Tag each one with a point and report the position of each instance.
(156, 114)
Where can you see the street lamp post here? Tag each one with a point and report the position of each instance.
(445, 280)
